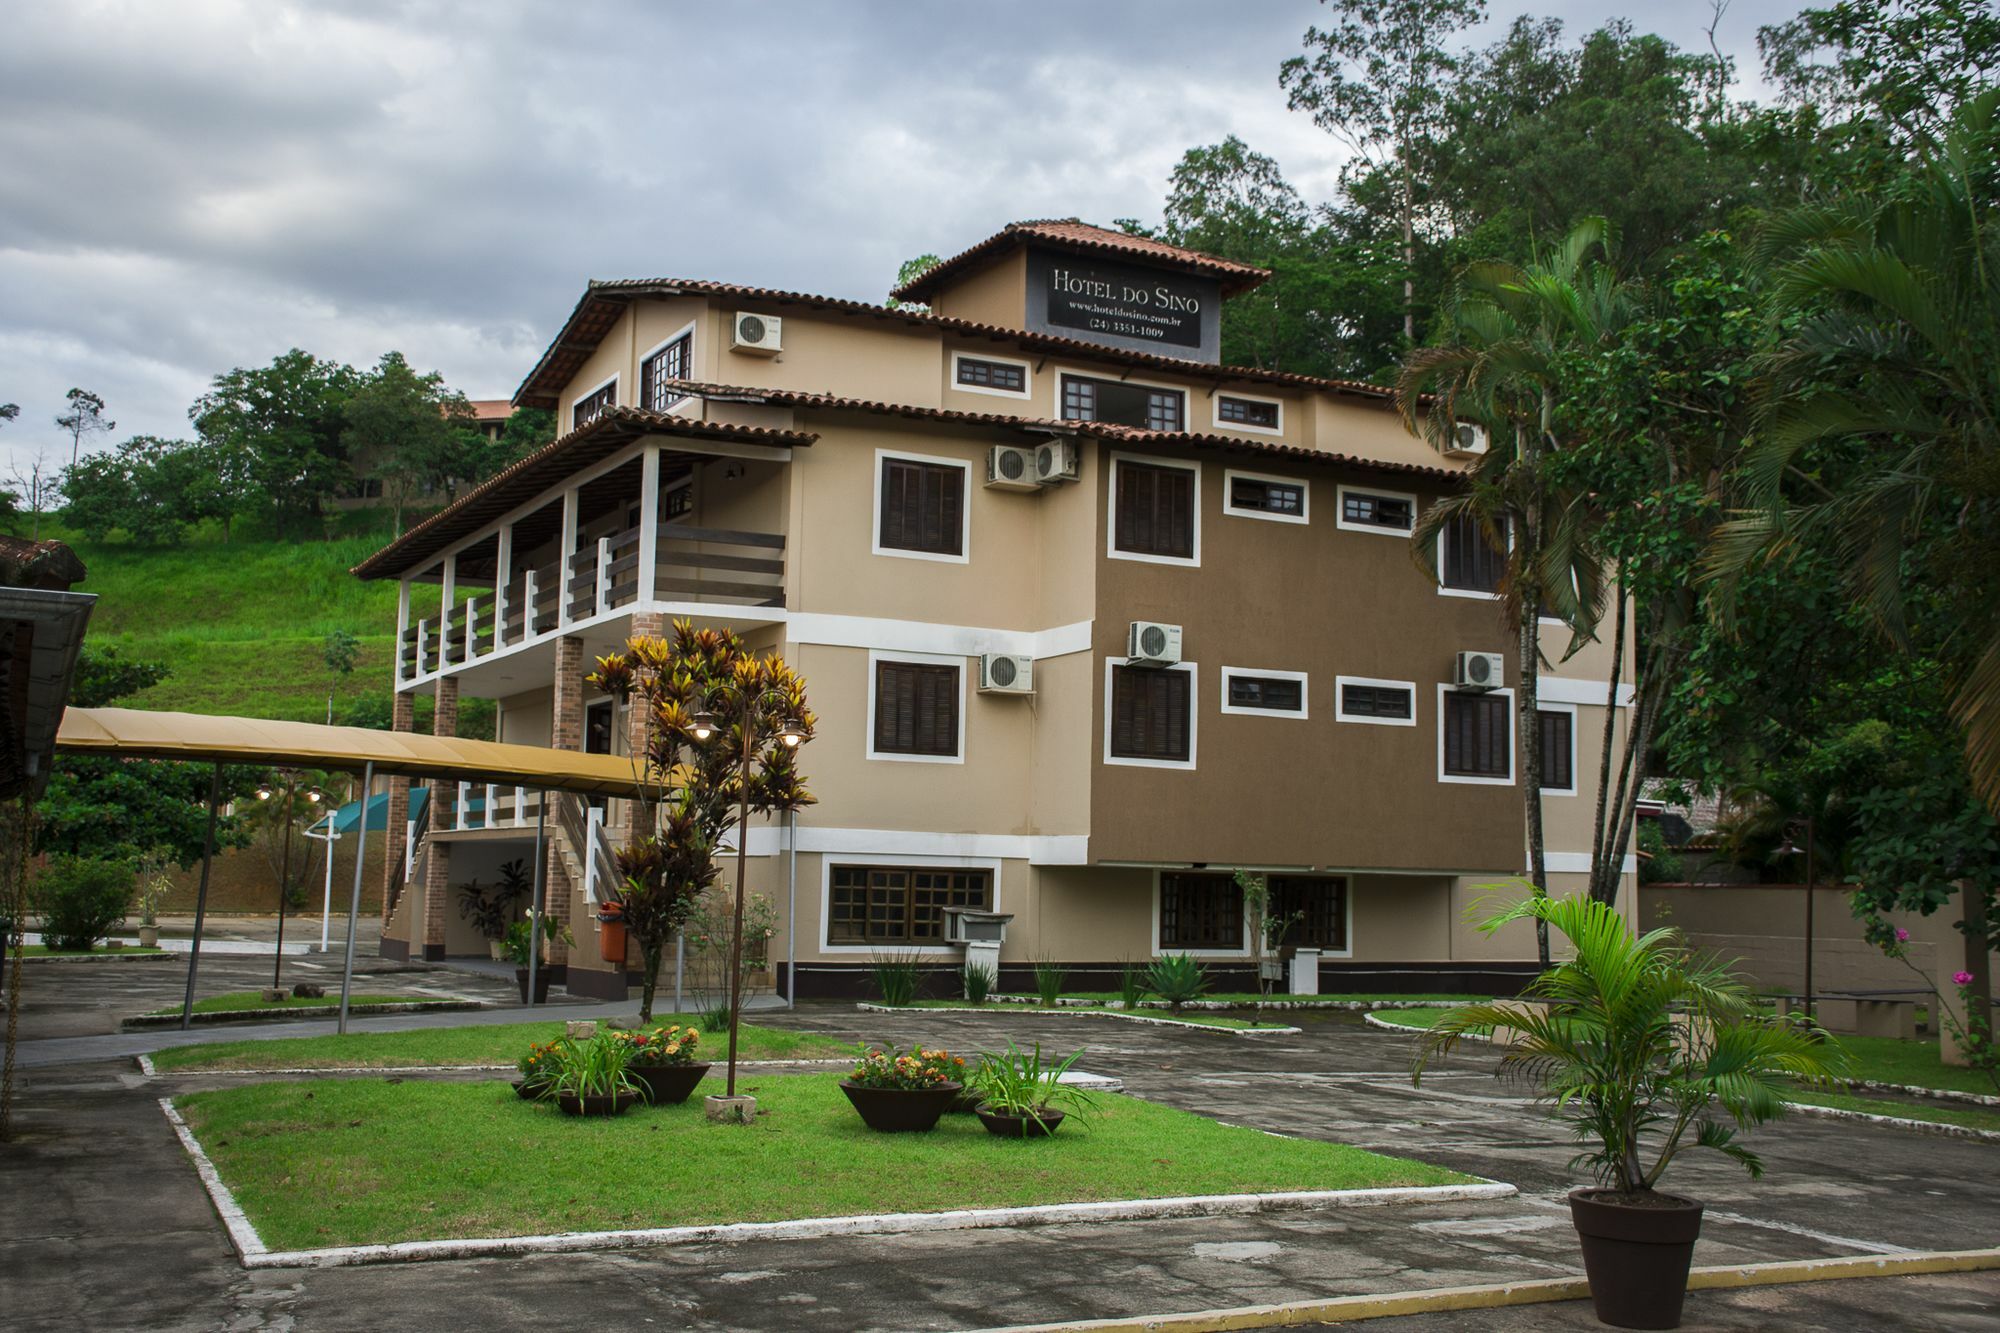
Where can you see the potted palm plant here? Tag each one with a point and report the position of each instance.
(663, 1062)
(1646, 1049)
(521, 940)
(1023, 1096)
(899, 1093)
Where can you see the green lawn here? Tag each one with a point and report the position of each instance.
(364, 1160)
(1944, 1113)
(1413, 1018)
(495, 1044)
(241, 1001)
(1249, 998)
(44, 951)
(1198, 1017)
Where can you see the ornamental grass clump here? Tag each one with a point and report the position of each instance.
(978, 983)
(914, 1070)
(1131, 985)
(594, 1068)
(1639, 1043)
(1049, 980)
(897, 977)
(1027, 1085)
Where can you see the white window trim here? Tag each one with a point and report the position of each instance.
(922, 659)
(686, 331)
(1340, 513)
(1229, 476)
(1056, 392)
(1299, 676)
(1026, 391)
(1215, 413)
(1161, 951)
(1513, 743)
(1194, 719)
(964, 509)
(684, 484)
(598, 387)
(1340, 714)
(1111, 550)
(1546, 706)
(1444, 537)
(827, 862)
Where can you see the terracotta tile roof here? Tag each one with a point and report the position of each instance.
(604, 300)
(1074, 234)
(1104, 430)
(515, 485)
(491, 409)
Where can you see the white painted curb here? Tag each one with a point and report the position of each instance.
(1405, 1029)
(253, 1253)
(1936, 1094)
(1896, 1122)
(1085, 1013)
(1284, 1001)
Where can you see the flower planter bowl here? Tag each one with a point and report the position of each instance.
(1636, 1257)
(900, 1110)
(572, 1104)
(667, 1085)
(526, 1091)
(1007, 1126)
(541, 984)
(966, 1102)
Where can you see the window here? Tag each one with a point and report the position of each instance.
(920, 507)
(1255, 413)
(1151, 717)
(899, 904)
(1263, 692)
(1377, 511)
(678, 502)
(1479, 736)
(1254, 495)
(1468, 562)
(1200, 911)
(987, 376)
(671, 363)
(1154, 511)
(1123, 404)
(1384, 702)
(1315, 906)
(1558, 749)
(594, 404)
(916, 710)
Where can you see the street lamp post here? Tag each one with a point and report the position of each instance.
(289, 789)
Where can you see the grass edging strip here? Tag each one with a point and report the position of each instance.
(1938, 1127)
(1534, 1291)
(146, 1068)
(253, 1253)
(1406, 1029)
(146, 1022)
(107, 956)
(873, 1008)
(1919, 1090)
(1284, 1002)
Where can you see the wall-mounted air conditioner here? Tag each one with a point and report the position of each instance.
(1478, 671)
(1055, 461)
(1148, 643)
(1467, 441)
(1010, 469)
(1004, 673)
(762, 335)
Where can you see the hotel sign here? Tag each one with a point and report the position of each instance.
(1141, 309)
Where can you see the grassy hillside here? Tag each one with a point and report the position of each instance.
(243, 624)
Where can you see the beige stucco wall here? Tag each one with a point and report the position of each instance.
(995, 294)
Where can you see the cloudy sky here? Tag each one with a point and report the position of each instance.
(194, 185)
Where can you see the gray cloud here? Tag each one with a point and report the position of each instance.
(189, 187)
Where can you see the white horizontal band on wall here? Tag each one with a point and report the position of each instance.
(1578, 863)
(1567, 690)
(1042, 849)
(920, 636)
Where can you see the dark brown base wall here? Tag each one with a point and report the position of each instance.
(855, 981)
(399, 950)
(601, 984)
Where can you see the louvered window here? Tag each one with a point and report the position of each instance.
(916, 709)
(1155, 510)
(1558, 739)
(1478, 735)
(1470, 562)
(923, 507)
(1151, 714)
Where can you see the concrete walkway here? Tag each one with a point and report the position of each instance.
(100, 1186)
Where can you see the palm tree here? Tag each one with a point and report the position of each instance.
(1515, 328)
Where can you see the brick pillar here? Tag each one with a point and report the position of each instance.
(396, 834)
(566, 733)
(443, 814)
(645, 624)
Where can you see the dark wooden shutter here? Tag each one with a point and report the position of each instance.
(1150, 714)
(1470, 561)
(1155, 510)
(916, 708)
(923, 506)
(1478, 740)
(1557, 771)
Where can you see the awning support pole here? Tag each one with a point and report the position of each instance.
(354, 899)
(201, 894)
(535, 911)
(792, 912)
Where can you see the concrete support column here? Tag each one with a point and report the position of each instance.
(443, 814)
(396, 835)
(566, 733)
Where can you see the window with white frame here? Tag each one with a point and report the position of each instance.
(916, 709)
(1155, 510)
(1476, 736)
(920, 506)
(1468, 561)
(1314, 910)
(1263, 414)
(1149, 716)
(1146, 406)
(1389, 703)
(666, 367)
(1364, 509)
(1258, 495)
(1264, 693)
(1201, 912)
(873, 905)
(594, 404)
(1558, 740)
(988, 374)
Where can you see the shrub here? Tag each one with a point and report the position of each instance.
(978, 983)
(1177, 978)
(81, 898)
(1023, 1083)
(1131, 985)
(897, 976)
(917, 1071)
(1049, 980)
(664, 1046)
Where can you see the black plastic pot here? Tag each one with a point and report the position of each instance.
(572, 1104)
(667, 1085)
(527, 1091)
(901, 1110)
(1021, 1126)
(541, 984)
(1636, 1255)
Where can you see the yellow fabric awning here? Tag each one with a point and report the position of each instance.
(138, 734)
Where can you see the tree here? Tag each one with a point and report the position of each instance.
(278, 429)
(85, 416)
(692, 789)
(35, 485)
(152, 489)
(341, 649)
(1377, 80)
(408, 429)
(1904, 67)
(527, 430)
(910, 271)
(9, 412)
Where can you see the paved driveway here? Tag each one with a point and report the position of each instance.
(103, 1225)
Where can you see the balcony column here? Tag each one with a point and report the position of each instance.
(402, 629)
(566, 734)
(437, 865)
(447, 591)
(649, 531)
(503, 589)
(567, 550)
(396, 818)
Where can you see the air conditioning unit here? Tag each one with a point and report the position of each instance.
(1055, 461)
(1003, 673)
(1478, 671)
(761, 334)
(1467, 441)
(1148, 643)
(1010, 469)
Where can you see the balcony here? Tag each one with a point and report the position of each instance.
(694, 570)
